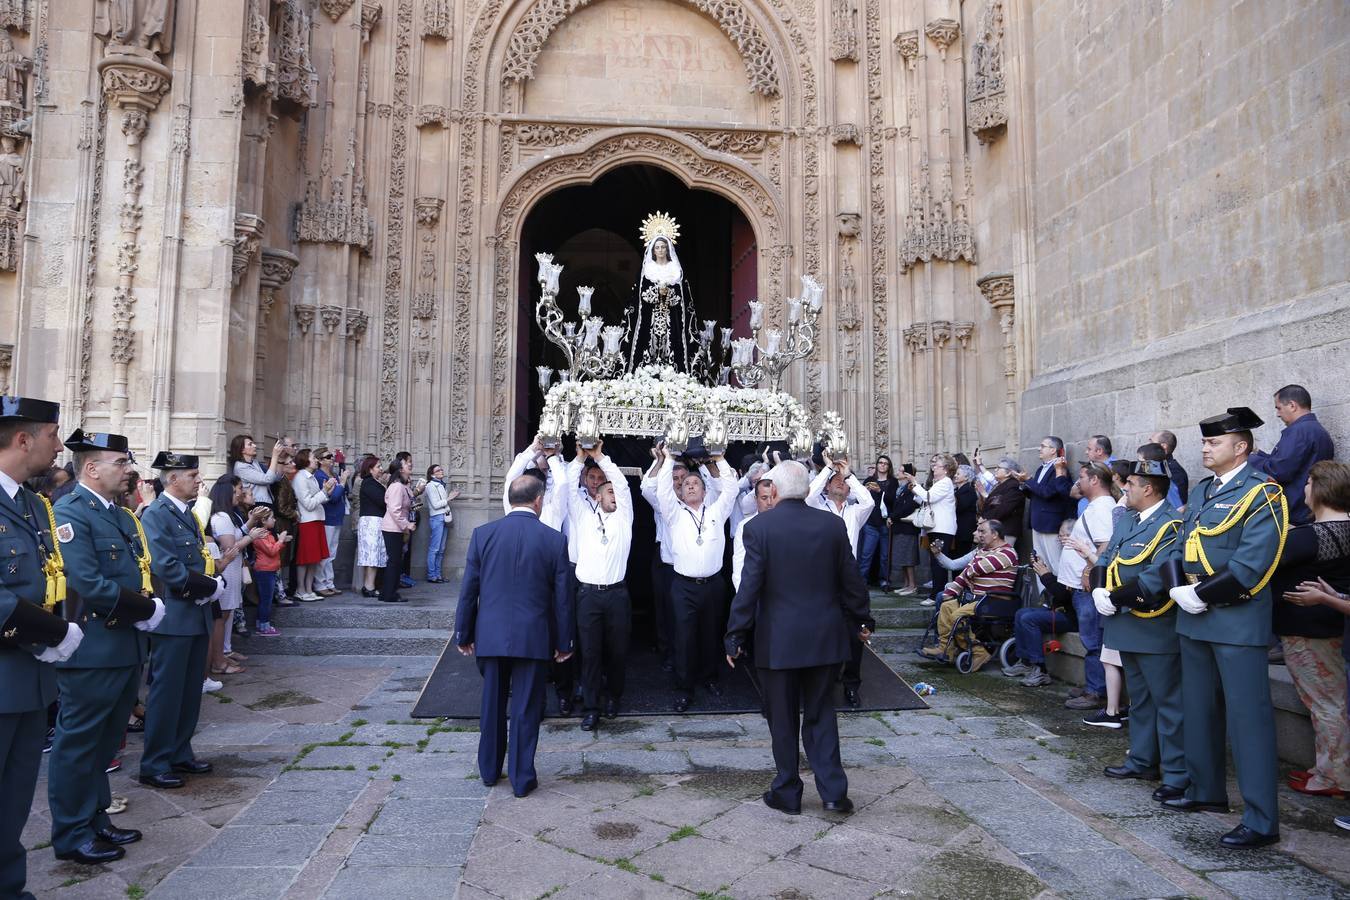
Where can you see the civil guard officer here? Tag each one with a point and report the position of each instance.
(32, 635)
(107, 560)
(1140, 621)
(1232, 540)
(180, 559)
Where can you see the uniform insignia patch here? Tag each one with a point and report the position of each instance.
(1139, 544)
(65, 533)
(1224, 505)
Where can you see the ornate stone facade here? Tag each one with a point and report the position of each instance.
(310, 216)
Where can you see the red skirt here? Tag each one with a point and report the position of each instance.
(312, 545)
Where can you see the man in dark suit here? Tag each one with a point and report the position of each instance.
(804, 608)
(515, 614)
(1049, 490)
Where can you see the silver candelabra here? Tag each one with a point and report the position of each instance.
(753, 360)
(591, 347)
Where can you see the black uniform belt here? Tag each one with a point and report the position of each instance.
(695, 580)
(600, 587)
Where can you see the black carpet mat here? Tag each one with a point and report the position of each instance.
(454, 689)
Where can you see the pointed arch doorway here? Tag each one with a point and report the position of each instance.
(592, 229)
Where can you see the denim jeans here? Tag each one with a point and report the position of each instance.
(871, 541)
(1090, 633)
(266, 583)
(1031, 625)
(435, 546)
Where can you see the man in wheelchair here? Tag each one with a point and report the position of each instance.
(993, 570)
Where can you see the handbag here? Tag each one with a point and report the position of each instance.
(923, 518)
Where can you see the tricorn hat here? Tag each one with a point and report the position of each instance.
(28, 409)
(167, 459)
(1238, 418)
(97, 440)
(1150, 468)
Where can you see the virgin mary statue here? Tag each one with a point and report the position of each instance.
(663, 326)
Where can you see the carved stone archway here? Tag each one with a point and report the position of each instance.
(583, 163)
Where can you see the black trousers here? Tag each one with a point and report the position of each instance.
(513, 688)
(696, 608)
(662, 573)
(393, 548)
(853, 668)
(564, 674)
(604, 622)
(799, 703)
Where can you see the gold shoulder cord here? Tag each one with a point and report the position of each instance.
(143, 561)
(54, 566)
(210, 570)
(1195, 549)
(1113, 580)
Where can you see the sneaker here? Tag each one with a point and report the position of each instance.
(47, 743)
(118, 805)
(284, 601)
(308, 598)
(114, 766)
(928, 601)
(210, 685)
(1019, 670)
(1104, 719)
(1038, 678)
(1086, 701)
(266, 630)
(1343, 822)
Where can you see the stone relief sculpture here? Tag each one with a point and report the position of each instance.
(986, 104)
(135, 25)
(843, 30)
(14, 69)
(14, 15)
(297, 80)
(11, 201)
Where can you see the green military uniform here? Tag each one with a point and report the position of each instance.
(1231, 543)
(26, 628)
(103, 551)
(179, 646)
(1144, 631)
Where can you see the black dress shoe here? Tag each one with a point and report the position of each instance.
(681, 703)
(844, 806)
(851, 697)
(773, 803)
(589, 721)
(192, 767)
(1185, 804)
(118, 835)
(564, 706)
(527, 789)
(1127, 772)
(93, 852)
(1244, 837)
(1167, 792)
(713, 688)
(611, 708)
(369, 594)
(162, 781)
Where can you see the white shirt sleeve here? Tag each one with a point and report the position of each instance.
(556, 495)
(727, 495)
(666, 502)
(815, 496)
(623, 495)
(518, 467)
(738, 553)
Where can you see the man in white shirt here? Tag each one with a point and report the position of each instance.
(837, 490)
(697, 534)
(548, 462)
(662, 568)
(765, 498)
(1094, 527)
(603, 530)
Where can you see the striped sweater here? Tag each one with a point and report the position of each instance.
(990, 570)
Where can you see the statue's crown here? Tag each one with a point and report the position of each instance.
(660, 224)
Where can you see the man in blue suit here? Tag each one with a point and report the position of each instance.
(515, 614)
(1050, 505)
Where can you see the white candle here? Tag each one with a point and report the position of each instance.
(613, 334)
(772, 340)
(545, 377)
(756, 314)
(726, 337)
(584, 305)
(794, 310)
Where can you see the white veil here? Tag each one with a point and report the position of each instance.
(662, 273)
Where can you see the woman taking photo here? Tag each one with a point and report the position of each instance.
(242, 461)
(398, 500)
(438, 498)
(370, 553)
(1005, 500)
(311, 547)
(875, 540)
(941, 498)
(230, 497)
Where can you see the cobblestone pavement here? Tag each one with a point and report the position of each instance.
(325, 788)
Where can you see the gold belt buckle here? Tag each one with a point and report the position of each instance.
(1192, 579)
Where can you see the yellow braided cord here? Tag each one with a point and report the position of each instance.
(1113, 579)
(1195, 550)
(143, 560)
(55, 565)
(210, 569)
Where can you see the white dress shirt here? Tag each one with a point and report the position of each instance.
(857, 508)
(648, 489)
(602, 539)
(738, 549)
(697, 537)
(555, 504)
(10, 486)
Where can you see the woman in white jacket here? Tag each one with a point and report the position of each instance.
(311, 549)
(941, 497)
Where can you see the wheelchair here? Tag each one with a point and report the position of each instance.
(989, 626)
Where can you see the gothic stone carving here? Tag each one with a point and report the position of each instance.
(15, 15)
(535, 27)
(6, 365)
(14, 69)
(943, 32)
(335, 9)
(843, 30)
(304, 316)
(907, 42)
(986, 103)
(248, 231)
(256, 66)
(297, 80)
(135, 27)
(395, 206)
(436, 21)
(11, 201)
(998, 290)
(357, 322)
(877, 192)
(277, 268)
(331, 317)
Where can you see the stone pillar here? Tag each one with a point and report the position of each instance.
(134, 84)
(329, 371)
(304, 321)
(357, 321)
(998, 290)
(277, 267)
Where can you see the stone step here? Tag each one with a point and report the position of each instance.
(301, 641)
(902, 617)
(366, 615)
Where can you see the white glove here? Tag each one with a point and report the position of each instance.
(1185, 596)
(156, 617)
(220, 589)
(64, 650)
(1101, 598)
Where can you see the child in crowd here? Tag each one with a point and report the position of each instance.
(266, 565)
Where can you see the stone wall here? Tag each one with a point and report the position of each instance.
(1191, 222)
